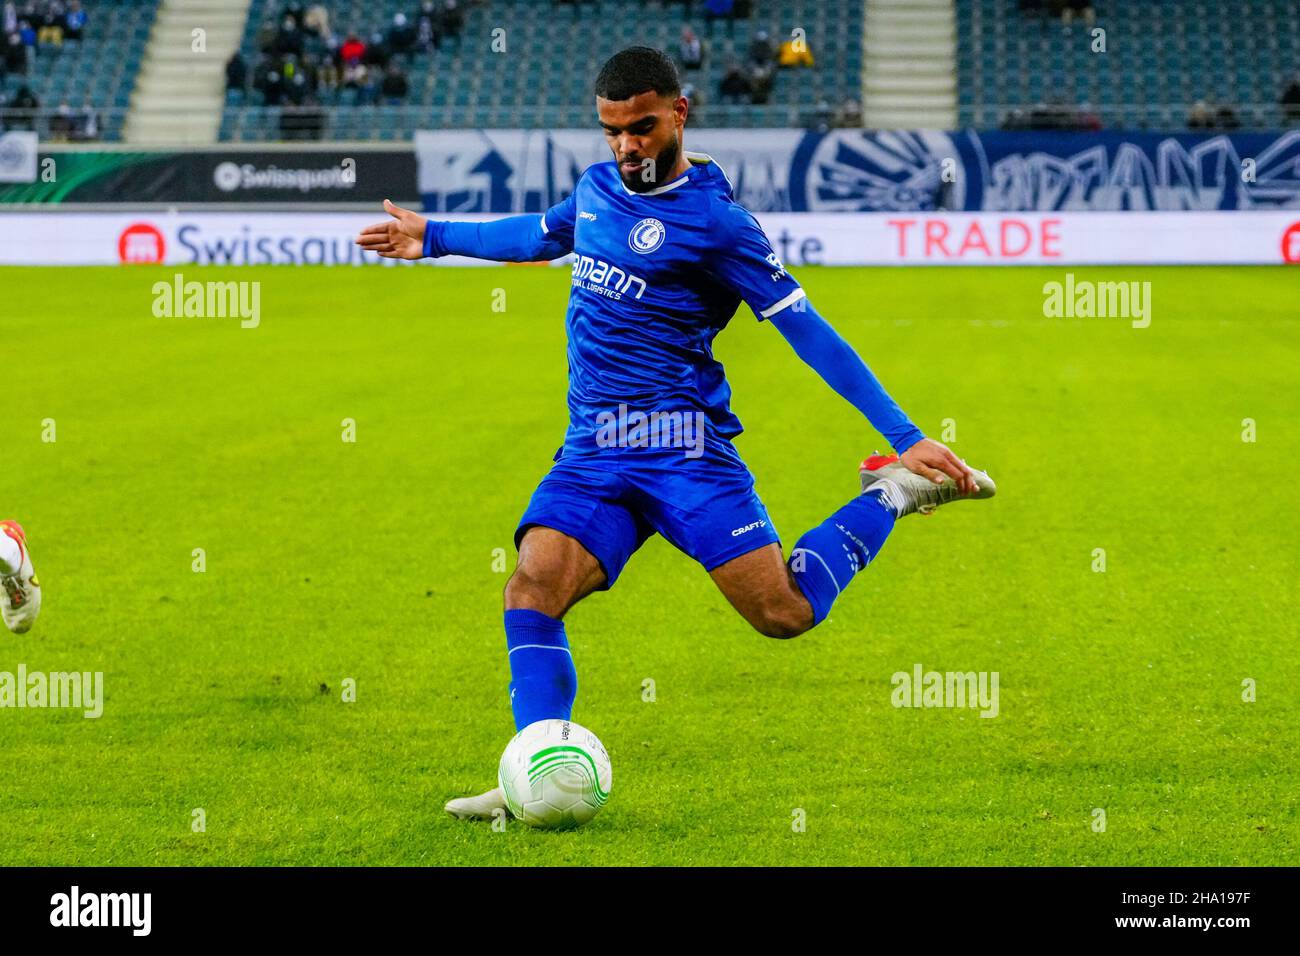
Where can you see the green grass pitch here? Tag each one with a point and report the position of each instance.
(374, 561)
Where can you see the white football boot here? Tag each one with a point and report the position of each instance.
(482, 807)
(908, 492)
(20, 592)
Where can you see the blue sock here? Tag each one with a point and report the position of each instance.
(543, 680)
(826, 558)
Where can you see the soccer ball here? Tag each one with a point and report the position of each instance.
(555, 774)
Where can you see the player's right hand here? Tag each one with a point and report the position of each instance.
(931, 459)
(401, 237)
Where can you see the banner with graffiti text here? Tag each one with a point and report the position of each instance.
(515, 171)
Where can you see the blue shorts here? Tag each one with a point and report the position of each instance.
(612, 500)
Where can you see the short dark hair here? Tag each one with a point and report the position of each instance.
(638, 69)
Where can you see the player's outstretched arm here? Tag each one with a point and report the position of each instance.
(408, 235)
(830, 356)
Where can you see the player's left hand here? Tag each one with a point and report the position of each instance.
(932, 459)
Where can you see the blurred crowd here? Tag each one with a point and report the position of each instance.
(304, 60)
(29, 31)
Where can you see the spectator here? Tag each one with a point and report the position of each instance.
(822, 118)
(294, 11)
(1083, 8)
(61, 123)
(50, 19)
(271, 83)
(735, 85)
(1201, 116)
(377, 53)
(289, 39)
(1291, 100)
(1225, 118)
(328, 79)
(356, 81)
(427, 36)
(86, 123)
(761, 79)
(15, 54)
(395, 86)
(236, 72)
(9, 18)
(690, 50)
(317, 20)
(760, 49)
(74, 23)
(27, 36)
(451, 21)
(401, 35)
(1087, 119)
(795, 52)
(297, 83)
(720, 10)
(352, 50)
(22, 111)
(694, 100)
(849, 115)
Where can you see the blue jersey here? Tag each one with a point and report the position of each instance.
(656, 277)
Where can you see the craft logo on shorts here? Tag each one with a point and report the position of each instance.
(141, 243)
(646, 236)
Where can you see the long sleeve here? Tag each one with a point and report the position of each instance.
(513, 239)
(830, 356)
(529, 238)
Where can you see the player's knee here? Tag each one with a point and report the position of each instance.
(535, 591)
(783, 621)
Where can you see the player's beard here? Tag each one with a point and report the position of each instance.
(664, 164)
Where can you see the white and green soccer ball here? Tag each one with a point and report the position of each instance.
(555, 774)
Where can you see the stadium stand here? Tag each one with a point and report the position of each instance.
(79, 79)
(1168, 64)
(459, 84)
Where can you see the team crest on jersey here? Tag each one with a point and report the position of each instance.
(646, 236)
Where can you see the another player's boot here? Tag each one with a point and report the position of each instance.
(20, 592)
(909, 492)
(482, 807)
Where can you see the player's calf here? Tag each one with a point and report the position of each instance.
(760, 587)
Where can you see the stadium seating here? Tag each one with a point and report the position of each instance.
(1161, 57)
(102, 66)
(544, 78)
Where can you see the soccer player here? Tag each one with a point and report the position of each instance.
(20, 592)
(664, 255)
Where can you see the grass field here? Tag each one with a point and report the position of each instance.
(328, 560)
